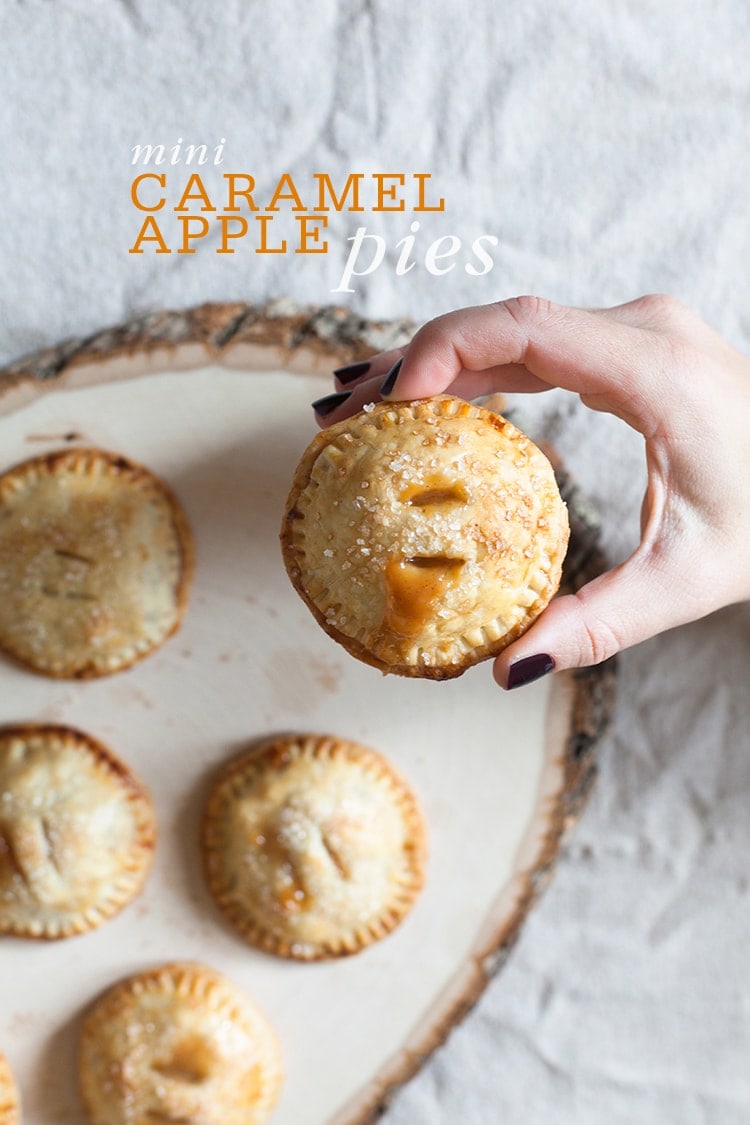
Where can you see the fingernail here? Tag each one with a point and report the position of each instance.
(352, 371)
(528, 669)
(328, 403)
(389, 382)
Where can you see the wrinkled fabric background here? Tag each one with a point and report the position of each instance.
(607, 147)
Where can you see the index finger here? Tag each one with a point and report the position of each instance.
(527, 344)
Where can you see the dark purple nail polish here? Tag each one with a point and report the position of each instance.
(328, 403)
(389, 382)
(528, 669)
(352, 371)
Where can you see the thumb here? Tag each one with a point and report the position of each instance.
(618, 609)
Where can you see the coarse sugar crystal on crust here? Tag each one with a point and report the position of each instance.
(313, 846)
(10, 1108)
(96, 558)
(424, 536)
(77, 832)
(179, 1042)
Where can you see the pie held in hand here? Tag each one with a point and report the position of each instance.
(424, 536)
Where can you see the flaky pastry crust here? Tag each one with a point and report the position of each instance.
(96, 558)
(178, 1043)
(424, 536)
(314, 846)
(77, 832)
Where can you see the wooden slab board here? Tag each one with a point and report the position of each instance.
(216, 400)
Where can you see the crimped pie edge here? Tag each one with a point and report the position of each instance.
(195, 982)
(132, 879)
(88, 460)
(230, 784)
(466, 650)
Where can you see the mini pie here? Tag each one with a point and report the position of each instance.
(424, 536)
(313, 846)
(10, 1112)
(178, 1043)
(95, 562)
(77, 832)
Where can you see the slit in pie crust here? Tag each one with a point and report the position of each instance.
(424, 536)
(314, 846)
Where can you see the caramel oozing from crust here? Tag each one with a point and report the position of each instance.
(414, 590)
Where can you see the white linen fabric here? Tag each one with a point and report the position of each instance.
(607, 149)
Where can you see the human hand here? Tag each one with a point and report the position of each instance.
(657, 366)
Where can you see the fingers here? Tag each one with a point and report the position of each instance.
(528, 344)
(364, 389)
(458, 353)
(358, 384)
(360, 392)
(370, 370)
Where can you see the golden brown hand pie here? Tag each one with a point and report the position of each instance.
(77, 832)
(95, 562)
(313, 846)
(424, 536)
(10, 1111)
(178, 1043)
